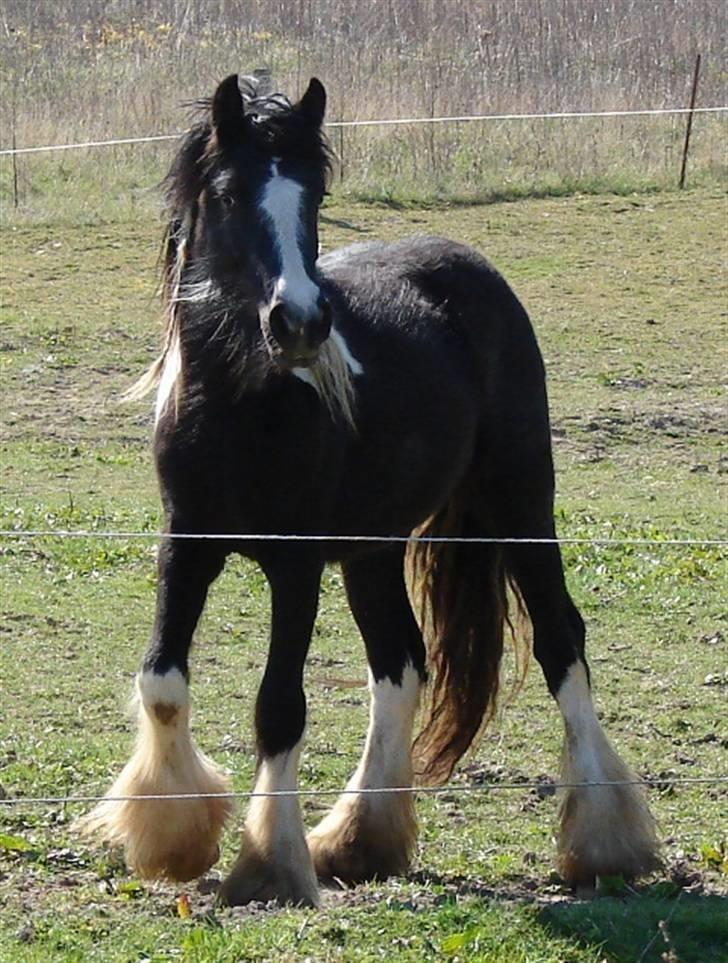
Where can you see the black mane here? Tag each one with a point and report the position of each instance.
(273, 124)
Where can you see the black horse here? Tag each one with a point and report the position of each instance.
(381, 390)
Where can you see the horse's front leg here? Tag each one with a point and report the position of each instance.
(168, 838)
(274, 861)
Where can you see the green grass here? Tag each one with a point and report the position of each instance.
(629, 301)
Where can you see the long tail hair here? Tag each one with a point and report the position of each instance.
(461, 595)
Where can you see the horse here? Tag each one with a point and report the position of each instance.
(385, 389)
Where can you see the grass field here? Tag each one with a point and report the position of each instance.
(629, 302)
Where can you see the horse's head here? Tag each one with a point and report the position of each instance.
(254, 194)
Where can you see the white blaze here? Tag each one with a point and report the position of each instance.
(281, 203)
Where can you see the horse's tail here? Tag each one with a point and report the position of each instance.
(461, 590)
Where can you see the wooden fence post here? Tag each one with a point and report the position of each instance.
(341, 154)
(689, 127)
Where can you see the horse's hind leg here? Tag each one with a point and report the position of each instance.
(605, 830)
(168, 838)
(367, 836)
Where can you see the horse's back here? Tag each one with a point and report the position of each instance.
(428, 284)
(417, 396)
(450, 364)
(403, 257)
(448, 300)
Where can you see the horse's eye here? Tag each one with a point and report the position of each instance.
(227, 201)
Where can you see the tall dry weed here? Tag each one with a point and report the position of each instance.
(86, 69)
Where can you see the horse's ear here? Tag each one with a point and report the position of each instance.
(228, 110)
(313, 103)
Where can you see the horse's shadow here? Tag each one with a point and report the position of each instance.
(344, 225)
(651, 923)
(647, 926)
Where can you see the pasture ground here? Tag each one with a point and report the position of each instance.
(629, 303)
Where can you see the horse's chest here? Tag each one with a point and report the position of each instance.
(254, 472)
(404, 471)
(277, 477)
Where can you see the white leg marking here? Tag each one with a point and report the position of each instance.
(586, 741)
(277, 819)
(169, 689)
(281, 203)
(605, 830)
(274, 861)
(172, 838)
(368, 835)
(387, 758)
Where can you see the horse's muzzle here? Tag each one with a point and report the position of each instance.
(299, 335)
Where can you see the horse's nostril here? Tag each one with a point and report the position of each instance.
(319, 327)
(280, 324)
(299, 334)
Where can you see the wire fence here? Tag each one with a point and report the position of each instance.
(389, 122)
(454, 788)
(377, 539)
(664, 783)
(543, 787)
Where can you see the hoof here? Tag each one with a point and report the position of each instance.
(173, 839)
(184, 849)
(359, 841)
(606, 828)
(606, 831)
(257, 878)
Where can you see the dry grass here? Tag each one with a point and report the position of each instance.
(80, 69)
